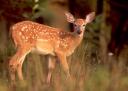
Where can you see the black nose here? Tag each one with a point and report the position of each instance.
(79, 32)
(77, 28)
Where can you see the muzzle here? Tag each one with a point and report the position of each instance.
(77, 29)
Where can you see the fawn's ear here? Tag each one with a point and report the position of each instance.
(70, 17)
(90, 17)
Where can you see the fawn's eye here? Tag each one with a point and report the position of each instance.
(84, 25)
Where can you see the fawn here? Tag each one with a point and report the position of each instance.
(30, 36)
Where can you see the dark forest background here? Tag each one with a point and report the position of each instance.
(100, 63)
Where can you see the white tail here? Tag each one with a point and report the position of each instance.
(29, 36)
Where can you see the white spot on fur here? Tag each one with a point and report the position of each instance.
(20, 33)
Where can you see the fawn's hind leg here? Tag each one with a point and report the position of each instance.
(15, 64)
(51, 66)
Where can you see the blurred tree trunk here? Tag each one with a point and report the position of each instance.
(105, 32)
(119, 21)
(58, 7)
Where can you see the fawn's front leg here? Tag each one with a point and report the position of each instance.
(63, 61)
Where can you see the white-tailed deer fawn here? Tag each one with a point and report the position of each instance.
(29, 36)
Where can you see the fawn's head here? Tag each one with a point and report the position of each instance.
(79, 24)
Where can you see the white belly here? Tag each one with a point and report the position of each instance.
(44, 47)
(43, 51)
